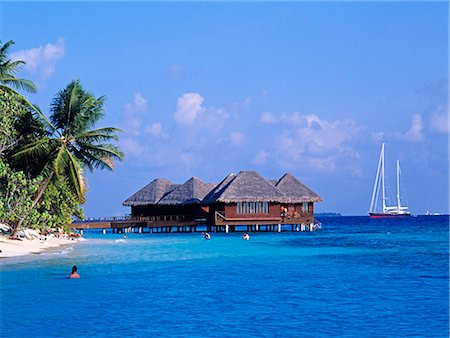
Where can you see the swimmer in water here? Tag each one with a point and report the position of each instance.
(207, 235)
(74, 273)
(246, 236)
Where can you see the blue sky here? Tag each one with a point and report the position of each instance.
(205, 89)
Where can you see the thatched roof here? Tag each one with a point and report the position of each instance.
(151, 193)
(217, 190)
(296, 190)
(191, 192)
(274, 182)
(247, 186)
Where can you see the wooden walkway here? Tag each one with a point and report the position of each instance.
(176, 223)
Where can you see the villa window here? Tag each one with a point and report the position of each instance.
(239, 207)
(305, 207)
(252, 207)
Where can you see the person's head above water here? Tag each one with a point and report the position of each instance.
(74, 269)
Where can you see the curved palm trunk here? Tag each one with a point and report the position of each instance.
(36, 200)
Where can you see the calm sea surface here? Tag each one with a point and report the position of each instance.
(354, 278)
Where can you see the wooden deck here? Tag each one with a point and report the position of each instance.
(220, 219)
(177, 223)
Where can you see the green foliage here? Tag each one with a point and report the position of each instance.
(59, 204)
(18, 125)
(16, 194)
(8, 70)
(42, 163)
(11, 111)
(71, 145)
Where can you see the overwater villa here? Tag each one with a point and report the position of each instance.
(244, 201)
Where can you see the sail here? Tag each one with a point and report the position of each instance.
(380, 192)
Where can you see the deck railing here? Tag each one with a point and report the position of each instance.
(220, 215)
(102, 219)
(299, 217)
(137, 219)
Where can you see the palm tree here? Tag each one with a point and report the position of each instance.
(9, 68)
(71, 145)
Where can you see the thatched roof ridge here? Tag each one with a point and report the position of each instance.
(249, 186)
(274, 182)
(151, 193)
(296, 190)
(190, 192)
(218, 189)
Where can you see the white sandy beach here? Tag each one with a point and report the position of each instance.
(13, 248)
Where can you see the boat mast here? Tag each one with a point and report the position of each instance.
(373, 203)
(382, 178)
(398, 185)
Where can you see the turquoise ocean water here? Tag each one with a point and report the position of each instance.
(354, 278)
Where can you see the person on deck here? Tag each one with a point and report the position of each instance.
(284, 211)
(74, 273)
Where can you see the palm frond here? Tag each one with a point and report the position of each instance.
(76, 179)
(108, 150)
(11, 67)
(73, 107)
(95, 156)
(100, 134)
(17, 83)
(60, 161)
(33, 151)
(32, 106)
(4, 50)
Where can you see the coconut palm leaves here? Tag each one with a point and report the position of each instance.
(71, 145)
(8, 70)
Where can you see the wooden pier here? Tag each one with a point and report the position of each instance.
(181, 224)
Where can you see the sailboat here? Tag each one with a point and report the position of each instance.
(386, 211)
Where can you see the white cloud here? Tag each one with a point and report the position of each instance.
(156, 131)
(296, 119)
(132, 114)
(41, 60)
(213, 119)
(261, 157)
(189, 106)
(191, 112)
(308, 140)
(415, 132)
(237, 138)
(131, 147)
(139, 104)
(439, 122)
(268, 118)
